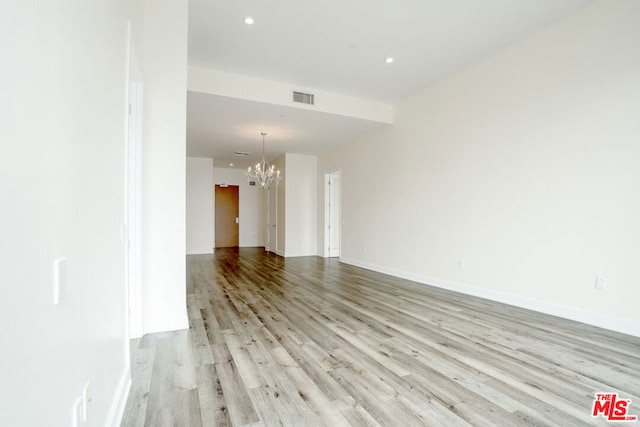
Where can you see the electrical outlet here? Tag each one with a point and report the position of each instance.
(601, 283)
(123, 233)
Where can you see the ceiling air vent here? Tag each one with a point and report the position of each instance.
(304, 98)
(241, 153)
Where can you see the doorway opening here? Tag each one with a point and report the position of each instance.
(332, 214)
(227, 216)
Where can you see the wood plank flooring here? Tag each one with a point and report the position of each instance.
(312, 342)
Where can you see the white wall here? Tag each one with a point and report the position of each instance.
(243, 87)
(300, 204)
(251, 205)
(524, 165)
(199, 206)
(295, 199)
(62, 185)
(164, 63)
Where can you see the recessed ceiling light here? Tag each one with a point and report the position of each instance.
(230, 164)
(388, 60)
(248, 20)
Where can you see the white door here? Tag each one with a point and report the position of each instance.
(332, 213)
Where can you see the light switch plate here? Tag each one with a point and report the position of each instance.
(85, 402)
(59, 280)
(76, 413)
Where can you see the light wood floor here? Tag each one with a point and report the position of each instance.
(308, 341)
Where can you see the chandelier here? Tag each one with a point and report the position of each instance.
(264, 173)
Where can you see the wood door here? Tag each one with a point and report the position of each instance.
(227, 216)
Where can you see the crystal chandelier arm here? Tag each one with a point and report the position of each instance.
(264, 173)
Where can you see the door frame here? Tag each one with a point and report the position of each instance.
(132, 234)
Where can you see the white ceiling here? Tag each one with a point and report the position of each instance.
(338, 46)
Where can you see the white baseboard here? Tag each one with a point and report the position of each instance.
(286, 254)
(612, 323)
(295, 254)
(164, 324)
(120, 400)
